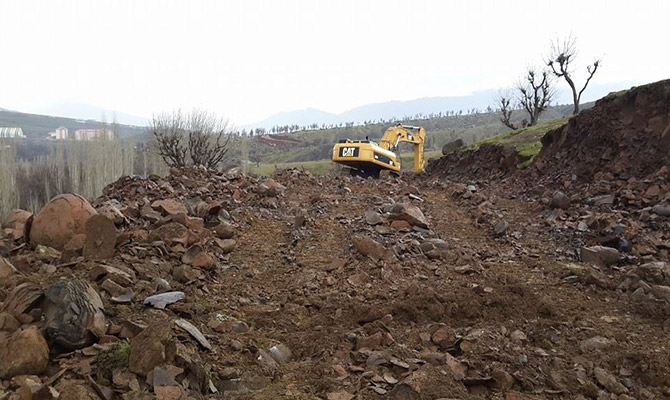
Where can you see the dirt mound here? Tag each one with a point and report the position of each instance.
(489, 161)
(626, 134)
(609, 164)
(613, 162)
(624, 137)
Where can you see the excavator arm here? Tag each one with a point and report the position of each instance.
(409, 134)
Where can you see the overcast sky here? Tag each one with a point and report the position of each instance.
(249, 59)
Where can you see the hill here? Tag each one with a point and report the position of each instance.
(38, 126)
(80, 110)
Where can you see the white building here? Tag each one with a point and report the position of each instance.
(6, 132)
(60, 133)
(93, 134)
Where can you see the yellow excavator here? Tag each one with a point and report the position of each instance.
(367, 158)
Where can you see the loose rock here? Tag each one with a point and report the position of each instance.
(600, 255)
(152, 347)
(369, 247)
(608, 381)
(74, 314)
(560, 200)
(61, 218)
(24, 352)
(195, 332)
(163, 299)
(169, 207)
(409, 213)
(6, 268)
(373, 217)
(16, 224)
(100, 238)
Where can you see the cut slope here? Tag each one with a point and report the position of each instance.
(626, 134)
(496, 155)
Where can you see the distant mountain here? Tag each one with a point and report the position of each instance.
(427, 105)
(85, 111)
(376, 111)
(299, 117)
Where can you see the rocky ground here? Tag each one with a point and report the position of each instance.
(476, 280)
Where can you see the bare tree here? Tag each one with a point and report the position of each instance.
(208, 139)
(562, 54)
(535, 93)
(503, 100)
(195, 138)
(168, 130)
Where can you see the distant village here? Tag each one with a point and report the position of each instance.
(61, 133)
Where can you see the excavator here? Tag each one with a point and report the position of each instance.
(367, 159)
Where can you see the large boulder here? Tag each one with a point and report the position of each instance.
(410, 213)
(452, 146)
(61, 218)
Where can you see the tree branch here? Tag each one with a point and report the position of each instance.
(591, 73)
(505, 109)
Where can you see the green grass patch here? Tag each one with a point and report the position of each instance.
(522, 137)
(114, 358)
(619, 93)
(525, 141)
(530, 150)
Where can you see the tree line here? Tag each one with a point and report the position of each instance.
(293, 128)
